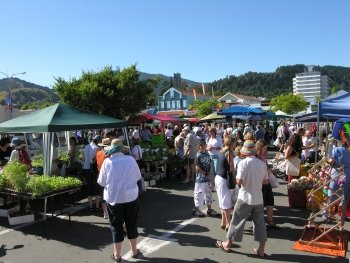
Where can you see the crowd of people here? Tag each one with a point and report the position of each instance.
(230, 160)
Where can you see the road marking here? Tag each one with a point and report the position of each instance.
(152, 243)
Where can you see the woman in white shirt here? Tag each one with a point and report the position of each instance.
(119, 175)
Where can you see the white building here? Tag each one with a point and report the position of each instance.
(231, 99)
(311, 84)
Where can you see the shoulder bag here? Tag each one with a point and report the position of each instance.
(293, 165)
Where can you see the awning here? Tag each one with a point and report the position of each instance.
(160, 117)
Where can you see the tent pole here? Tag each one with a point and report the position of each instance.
(318, 129)
(126, 135)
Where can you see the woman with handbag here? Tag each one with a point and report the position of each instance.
(222, 179)
(269, 201)
(292, 154)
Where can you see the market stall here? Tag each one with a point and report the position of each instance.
(55, 118)
(58, 117)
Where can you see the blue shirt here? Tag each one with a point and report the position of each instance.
(203, 161)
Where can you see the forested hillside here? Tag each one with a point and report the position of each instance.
(269, 85)
(23, 92)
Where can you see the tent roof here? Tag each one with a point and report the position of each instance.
(281, 113)
(240, 110)
(60, 117)
(136, 120)
(160, 117)
(213, 116)
(338, 107)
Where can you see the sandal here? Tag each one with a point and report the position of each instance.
(138, 253)
(272, 225)
(219, 244)
(115, 259)
(260, 255)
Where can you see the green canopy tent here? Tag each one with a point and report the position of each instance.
(58, 117)
(213, 116)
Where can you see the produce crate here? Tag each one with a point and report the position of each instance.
(296, 198)
(318, 200)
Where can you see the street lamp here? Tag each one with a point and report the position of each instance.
(9, 85)
(14, 74)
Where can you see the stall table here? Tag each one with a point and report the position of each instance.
(45, 197)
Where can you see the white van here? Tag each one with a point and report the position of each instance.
(34, 141)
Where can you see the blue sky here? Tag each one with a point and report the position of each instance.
(204, 40)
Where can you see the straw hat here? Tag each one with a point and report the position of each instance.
(248, 148)
(105, 142)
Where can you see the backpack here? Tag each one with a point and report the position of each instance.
(24, 158)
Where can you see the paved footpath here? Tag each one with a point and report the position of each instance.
(168, 233)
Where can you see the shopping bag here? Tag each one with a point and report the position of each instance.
(293, 165)
(273, 180)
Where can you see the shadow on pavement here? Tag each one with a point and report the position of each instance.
(3, 249)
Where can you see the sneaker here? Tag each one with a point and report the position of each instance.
(105, 216)
(212, 213)
(198, 213)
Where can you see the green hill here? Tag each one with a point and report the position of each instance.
(269, 85)
(23, 92)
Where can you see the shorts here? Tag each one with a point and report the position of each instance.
(224, 194)
(189, 161)
(123, 213)
(269, 200)
(202, 194)
(91, 187)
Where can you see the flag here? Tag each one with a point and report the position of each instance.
(194, 94)
(8, 105)
(203, 88)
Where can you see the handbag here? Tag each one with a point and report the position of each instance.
(273, 180)
(293, 165)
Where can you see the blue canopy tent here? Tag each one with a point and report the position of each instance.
(241, 110)
(339, 124)
(335, 108)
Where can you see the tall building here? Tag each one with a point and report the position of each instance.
(311, 84)
(177, 81)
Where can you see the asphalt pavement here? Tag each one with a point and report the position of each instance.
(168, 233)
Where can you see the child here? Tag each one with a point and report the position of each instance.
(202, 191)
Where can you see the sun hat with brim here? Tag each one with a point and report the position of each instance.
(248, 148)
(105, 142)
(15, 142)
(116, 147)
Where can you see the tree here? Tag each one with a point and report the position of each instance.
(332, 90)
(204, 108)
(116, 93)
(289, 103)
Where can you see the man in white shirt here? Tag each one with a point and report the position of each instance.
(251, 175)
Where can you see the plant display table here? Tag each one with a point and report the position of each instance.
(60, 193)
